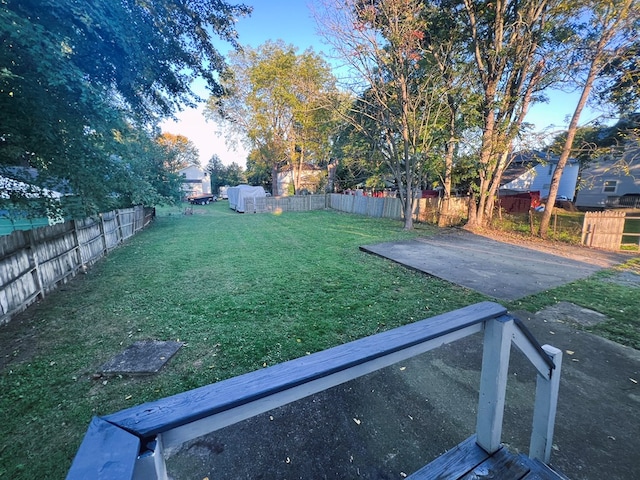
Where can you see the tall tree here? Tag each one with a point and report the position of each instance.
(611, 28)
(506, 40)
(276, 97)
(181, 151)
(259, 173)
(398, 91)
(217, 171)
(445, 43)
(359, 160)
(222, 175)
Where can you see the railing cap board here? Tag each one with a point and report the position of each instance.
(109, 446)
(152, 418)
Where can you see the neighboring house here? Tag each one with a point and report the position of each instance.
(195, 181)
(532, 172)
(611, 183)
(311, 178)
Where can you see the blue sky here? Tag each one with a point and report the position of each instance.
(292, 22)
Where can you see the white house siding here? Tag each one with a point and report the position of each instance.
(195, 181)
(610, 178)
(538, 178)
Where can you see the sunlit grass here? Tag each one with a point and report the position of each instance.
(620, 303)
(242, 292)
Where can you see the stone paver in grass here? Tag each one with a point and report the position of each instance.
(144, 357)
(567, 312)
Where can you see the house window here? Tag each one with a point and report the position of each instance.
(610, 186)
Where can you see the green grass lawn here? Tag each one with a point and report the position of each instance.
(243, 292)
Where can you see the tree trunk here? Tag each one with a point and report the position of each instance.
(486, 152)
(406, 154)
(274, 180)
(443, 217)
(495, 185)
(594, 69)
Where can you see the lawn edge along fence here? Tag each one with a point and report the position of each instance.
(35, 262)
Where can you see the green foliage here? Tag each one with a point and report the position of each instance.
(592, 142)
(180, 151)
(278, 98)
(618, 302)
(222, 175)
(259, 172)
(358, 160)
(565, 226)
(81, 82)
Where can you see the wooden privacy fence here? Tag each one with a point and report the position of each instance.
(425, 209)
(34, 262)
(604, 229)
(298, 203)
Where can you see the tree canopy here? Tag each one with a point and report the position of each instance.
(278, 99)
(181, 152)
(222, 175)
(434, 73)
(82, 83)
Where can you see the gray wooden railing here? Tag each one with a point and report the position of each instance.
(129, 444)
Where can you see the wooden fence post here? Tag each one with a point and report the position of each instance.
(105, 249)
(119, 230)
(76, 241)
(33, 258)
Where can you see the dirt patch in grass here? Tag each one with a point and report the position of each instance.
(18, 340)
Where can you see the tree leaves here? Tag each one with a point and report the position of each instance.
(82, 81)
(277, 97)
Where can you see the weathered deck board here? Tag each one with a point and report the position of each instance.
(454, 463)
(468, 461)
